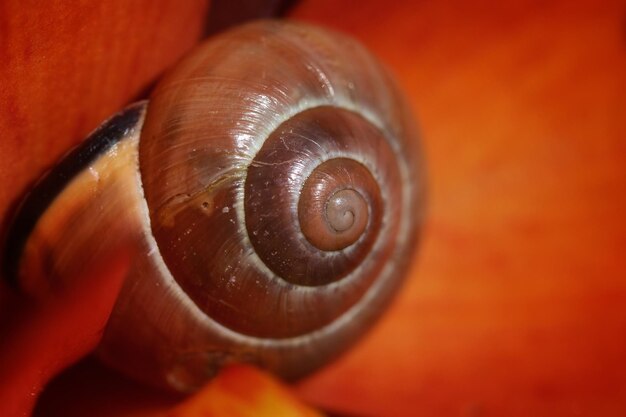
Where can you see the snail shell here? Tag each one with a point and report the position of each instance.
(273, 187)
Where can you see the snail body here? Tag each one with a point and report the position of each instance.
(272, 187)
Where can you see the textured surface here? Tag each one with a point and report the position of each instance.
(236, 128)
(516, 306)
(67, 66)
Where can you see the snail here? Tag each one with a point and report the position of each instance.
(272, 188)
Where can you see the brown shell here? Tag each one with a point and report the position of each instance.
(283, 198)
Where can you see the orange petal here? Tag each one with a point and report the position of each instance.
(243, 391)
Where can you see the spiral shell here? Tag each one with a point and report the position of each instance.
(283, 195)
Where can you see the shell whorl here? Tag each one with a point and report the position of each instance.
(276, 167)
(272, 191)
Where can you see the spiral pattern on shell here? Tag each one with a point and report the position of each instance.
(280, 168)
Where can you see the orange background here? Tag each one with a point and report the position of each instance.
(516, 305)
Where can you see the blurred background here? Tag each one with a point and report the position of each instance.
(516, 304)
